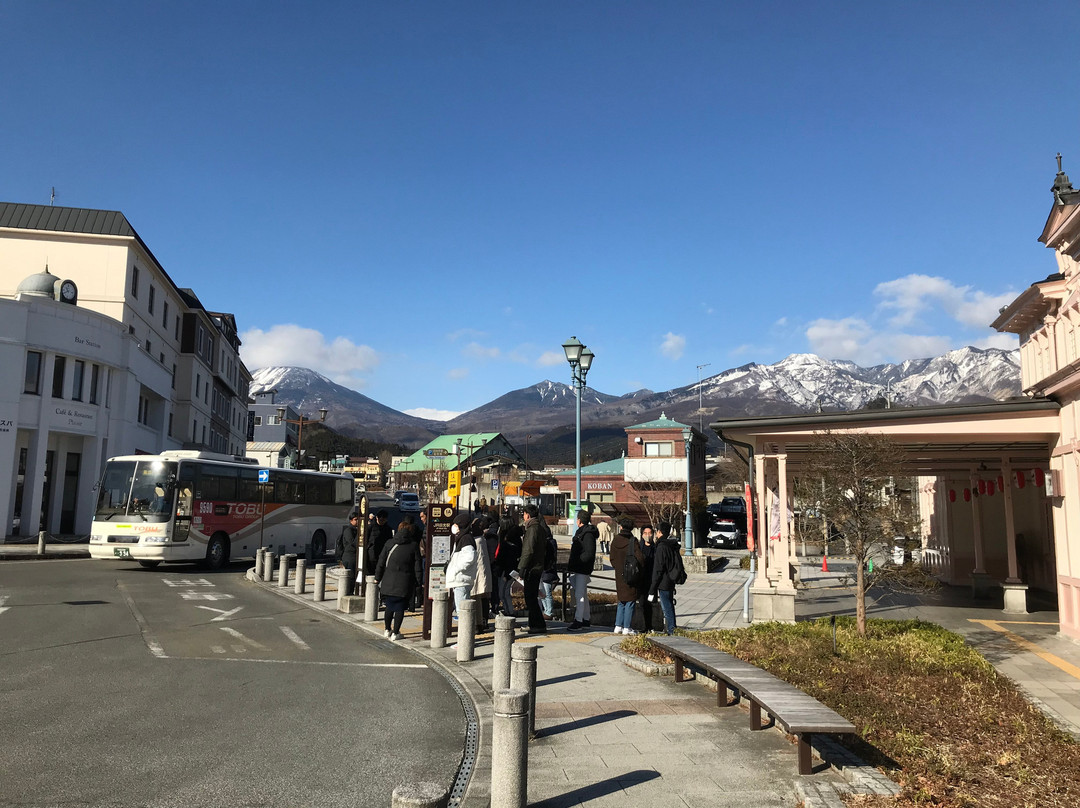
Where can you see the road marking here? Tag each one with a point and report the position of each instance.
(292, 635)
(217, 649)
(1028, 645)
(3, 600)
(144, 627)
(246, 640)
(222, 614)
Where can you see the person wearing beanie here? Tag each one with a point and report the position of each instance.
(461, 571)
(582, 559)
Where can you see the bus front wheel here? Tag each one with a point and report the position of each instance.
(318, 544)
(217, 551)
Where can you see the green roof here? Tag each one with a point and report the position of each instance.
(609, 467)
(419, 461)
(663, 422)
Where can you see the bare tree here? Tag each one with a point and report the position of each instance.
(663, 502)
(385, 461)
(857, 474)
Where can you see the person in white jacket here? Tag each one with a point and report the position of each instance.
(481, 587)
(461, 571)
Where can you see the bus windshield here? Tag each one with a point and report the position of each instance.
(142, 489)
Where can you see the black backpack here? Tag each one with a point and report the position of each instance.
(632, 571)
(551, 553)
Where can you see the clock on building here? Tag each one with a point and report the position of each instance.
(68, 291)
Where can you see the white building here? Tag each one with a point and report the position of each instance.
(119, 360)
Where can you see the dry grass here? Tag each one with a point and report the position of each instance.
(930, 711)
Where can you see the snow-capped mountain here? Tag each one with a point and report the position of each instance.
(799, 383)
(349, 412)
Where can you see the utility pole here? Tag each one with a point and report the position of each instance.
(701, 429)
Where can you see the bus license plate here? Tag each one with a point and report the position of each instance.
(122, 552)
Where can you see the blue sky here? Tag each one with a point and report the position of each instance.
(423, 200)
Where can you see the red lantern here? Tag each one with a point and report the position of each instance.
(1001, 483)
(1040, 478)
(967, 495)
(1021, 479)
(982, 486)
(990, 489)
(952, 495)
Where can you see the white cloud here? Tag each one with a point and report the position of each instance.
(1007, 342)
(465, 333)
(457, 373)
(673, 346)
(854, 339)
(551, 358)
(339, 359)
(478, 351)
(915, 295)
(433, 415)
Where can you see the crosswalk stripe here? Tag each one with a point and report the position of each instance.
(247, 640)
(292, 635)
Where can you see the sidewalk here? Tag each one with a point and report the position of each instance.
(605, 732)
(29, 551)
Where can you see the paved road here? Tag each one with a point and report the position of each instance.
(123, 686)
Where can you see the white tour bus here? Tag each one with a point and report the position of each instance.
(206, 507)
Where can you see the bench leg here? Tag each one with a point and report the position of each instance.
(678, 670)
(805, 762)
(755, 715)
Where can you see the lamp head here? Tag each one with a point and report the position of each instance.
(322, 413)
(573, 348)
(687, 434)
(281, 413)
(587, 357)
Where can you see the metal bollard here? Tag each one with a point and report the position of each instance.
(504, 639)
(283, 570)
(301, 576)
(523, 677)
(371, 599)
(439, 601)
(268, 566)
(41, 543)
(510, 749)
(320, 583)
(466, 632)
(419, 795)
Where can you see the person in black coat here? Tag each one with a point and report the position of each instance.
(622, 546)
(648, 552)
(668, 572)
(378, 536)
(347, 552)
(399, 572)
(505, 560)
(582, 559)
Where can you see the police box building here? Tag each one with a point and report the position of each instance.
(101, 354)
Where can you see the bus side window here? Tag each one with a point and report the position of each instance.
(183, 501)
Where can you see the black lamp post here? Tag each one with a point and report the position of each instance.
(580, 359)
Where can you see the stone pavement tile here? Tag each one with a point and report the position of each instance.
(569, 733)
(547, 710)
(584, 709)
(652, 707)
(608, 736)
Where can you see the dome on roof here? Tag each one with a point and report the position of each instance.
(40, 285)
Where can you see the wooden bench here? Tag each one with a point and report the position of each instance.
(799, 713)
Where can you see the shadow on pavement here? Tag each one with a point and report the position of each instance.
(596, 790)
(567, 678)
(582, 723)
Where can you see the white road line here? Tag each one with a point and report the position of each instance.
(3, 600)
(217, 649)
(292, 635)
(246, 640)
(222, 614)
(144, 627)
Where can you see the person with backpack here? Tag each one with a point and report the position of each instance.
(505, 561)
(668, 572)
(550, 576)
(582, 558)
(629, 564)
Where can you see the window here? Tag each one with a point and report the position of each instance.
(658, 449)
(144, 410)
(150, 300)
(149, 347)
(194, 429)
(161, 358)
(174, 377)
(258, 420)
(198, 385)
(164, 313)
(32, 378)
(77, 380)
(134, 281)
(59, 365)
(273, 420)
(170, 424)
(95, 377)
(176, 329)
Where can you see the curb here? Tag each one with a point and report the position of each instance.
(639, 664)
(7, 556)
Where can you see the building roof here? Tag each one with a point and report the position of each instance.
(607, 468)
(663, 422)
(421, 461)
(66, 220)
(265, 446)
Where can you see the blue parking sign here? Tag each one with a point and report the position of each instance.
(264, 475)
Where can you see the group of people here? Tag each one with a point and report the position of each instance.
(489, 558)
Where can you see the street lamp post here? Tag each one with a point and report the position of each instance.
(300, 433)
(688, 531)
(580, 359)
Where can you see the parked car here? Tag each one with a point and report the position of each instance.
(727, 535)
(407, 501)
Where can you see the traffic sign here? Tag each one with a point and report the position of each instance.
(494, 485)
(435, 453)
(264, 475)
(453, 483)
